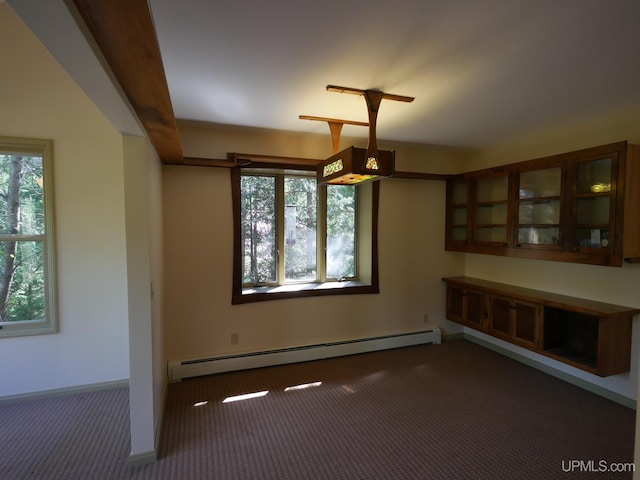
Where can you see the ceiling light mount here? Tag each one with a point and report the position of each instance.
(335, 126)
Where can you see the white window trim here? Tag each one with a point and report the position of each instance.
(49, 325)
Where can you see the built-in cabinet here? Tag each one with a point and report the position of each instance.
(592, 336)
(580, 207)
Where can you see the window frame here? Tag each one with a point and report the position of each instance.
(49, 325)
(322, 287)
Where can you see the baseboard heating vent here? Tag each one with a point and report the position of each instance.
(229, 363)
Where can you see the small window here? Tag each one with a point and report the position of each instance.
(27, 299)
(295, 238)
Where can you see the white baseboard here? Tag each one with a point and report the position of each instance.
(578, 382)
(57, 392)
(178, 370)
(144, 458)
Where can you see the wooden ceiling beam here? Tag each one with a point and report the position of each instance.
(124, 32)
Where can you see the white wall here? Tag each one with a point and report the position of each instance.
(139, 290)
(38, 99)
(199, 317)
(159, 359)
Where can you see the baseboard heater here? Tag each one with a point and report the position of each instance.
(243, 361)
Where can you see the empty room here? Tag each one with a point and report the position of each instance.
(272, 240)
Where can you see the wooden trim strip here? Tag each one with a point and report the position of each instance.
(422, 176)
(270, 161)
(254, 158)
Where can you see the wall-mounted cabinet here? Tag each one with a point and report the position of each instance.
(592, 336)
(580, 207)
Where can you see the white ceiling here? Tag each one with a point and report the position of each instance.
(482, 72)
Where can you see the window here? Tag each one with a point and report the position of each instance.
(26, 238)
(295, 238)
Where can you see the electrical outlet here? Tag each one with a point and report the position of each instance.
(235, 338)
(425, 318)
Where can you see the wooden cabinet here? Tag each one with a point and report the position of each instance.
(579, 207)
(514, 320)
(592, 336)
(466, 306)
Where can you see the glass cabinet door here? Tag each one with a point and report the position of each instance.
(594, 203)
(458, 212)
(491, 210)
(539, 208)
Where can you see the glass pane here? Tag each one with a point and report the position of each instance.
(493, 189)
(593, 210)
(300, 228)
(341, 231)
(459, 193)
(258, 225)
(21, 281)
(539, 235)
(459, 234)
(21, 195)
(592, 237)
(492, 234)
(595, 176)
(459, 216)
(544, 212)
(541, 183)
(492, 214)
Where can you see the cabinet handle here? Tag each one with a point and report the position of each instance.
(485, 314)
(518, 245)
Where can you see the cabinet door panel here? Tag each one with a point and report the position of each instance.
(526, 323)
(492, 189)
(457, 235)
(541, 183)
(539, 236)
(491, 212)
(491, 234)
(540, 208)
(475, 308)
(593, 210)
(501, 315)
(546, 212)
(455, 303)
(595, 176)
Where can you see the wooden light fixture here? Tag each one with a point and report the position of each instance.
(356, 165)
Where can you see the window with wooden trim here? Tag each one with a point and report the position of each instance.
(294, 238)
(27, 290)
